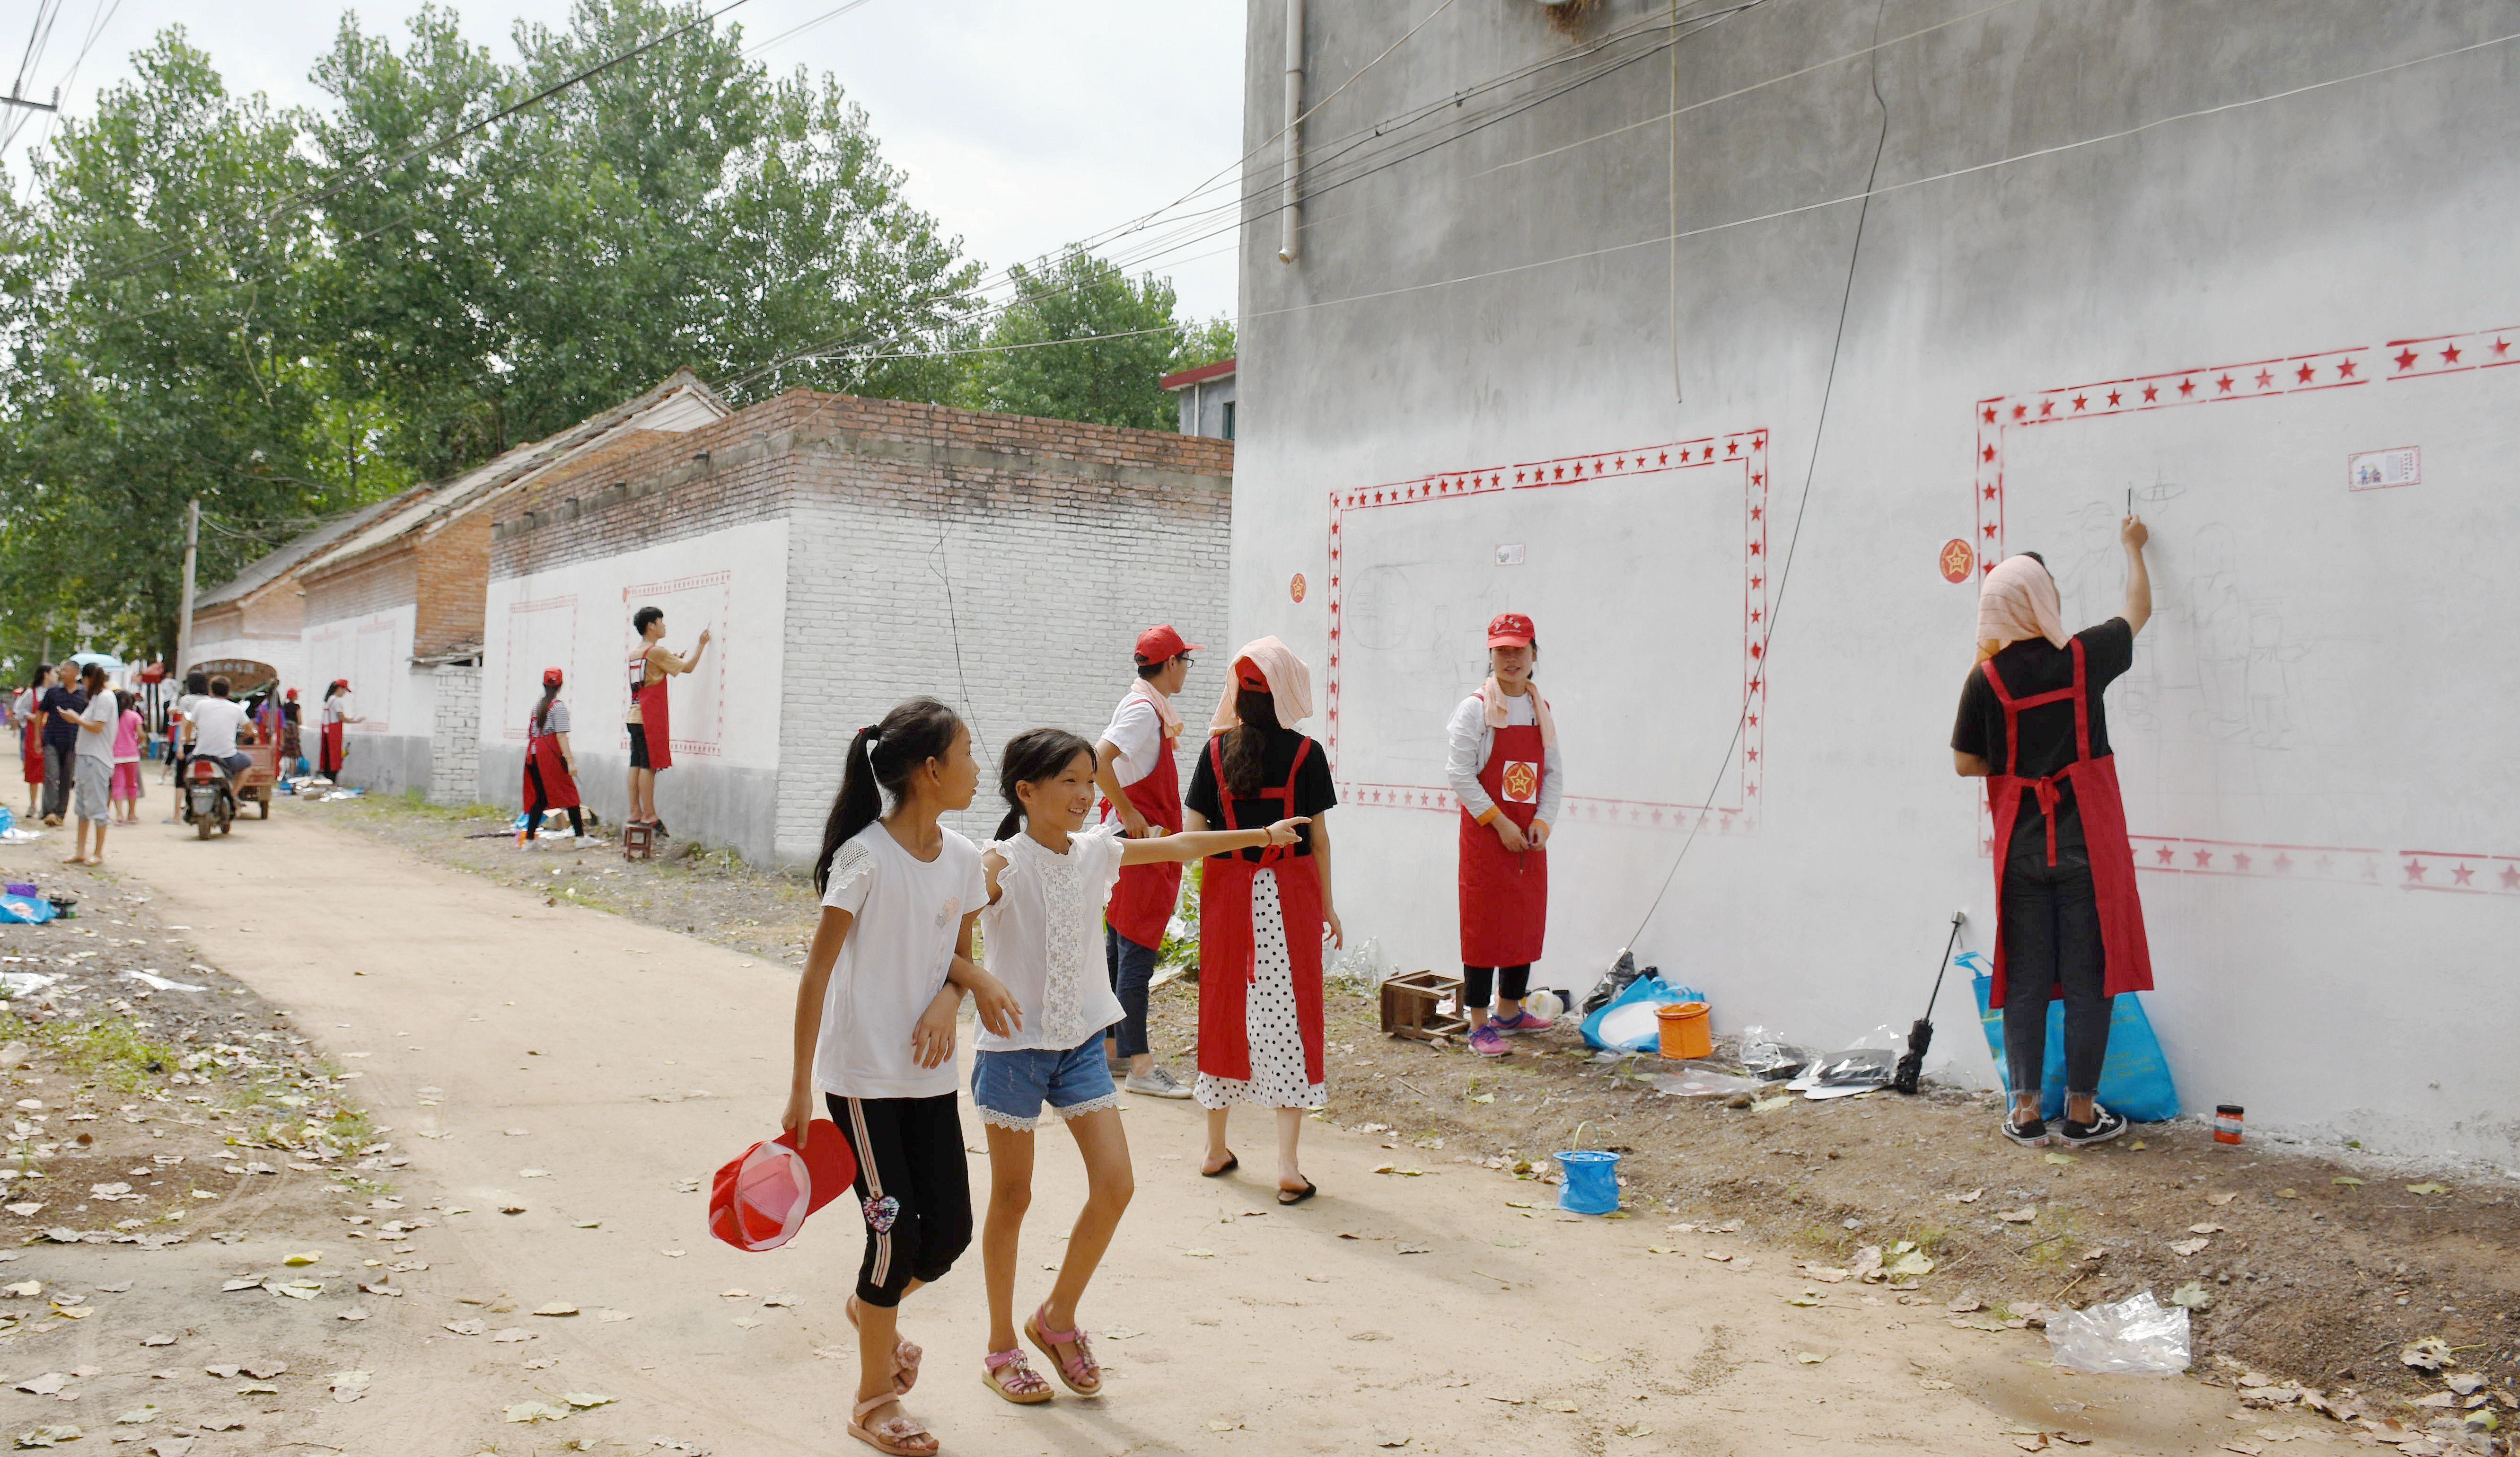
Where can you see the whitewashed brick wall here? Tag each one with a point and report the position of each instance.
(454, 738)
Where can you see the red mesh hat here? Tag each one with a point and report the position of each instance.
(762, 1196)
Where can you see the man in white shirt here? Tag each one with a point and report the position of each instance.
(1142, 789)
(216, 721)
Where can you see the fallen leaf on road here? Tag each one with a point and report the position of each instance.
(2016, 1217)
(745, 1323)
(2205, 1229)
(258, 1388)
(511, 1334)
(353, 1313)
(738, 1293)
(25, 1210)
(2188, 1246)
(587, 1225)
(159, 1340)
(1564, 1406)
(556, 1307)
(778, 1300)
(1824, 1274)
(306, 1257)
(613, 1315)
(1934, 1384)
(47, 1436)
(2427, 1188)
(252, 1282)
(223, 1423)
(2348, 1181)
(1964, 1304)
(1594, 1357)
(468, 1327)
(47, 1384)
(533, 1173)
(536, 1411)
(171, 1446)
(2061, 1159)
(1969, 1198)
(348, 1386)
(671, 1254)
(1809, 1357)
(506, 1208)
(1807, 1298)
(2219, 1200)
(1914, 1263)
(585, 1401)
(1720, 1257)
(1200, 1253)
(1415, 1250)
(514, 1132)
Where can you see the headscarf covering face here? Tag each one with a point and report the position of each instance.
(2017, 601)
(1290, 684)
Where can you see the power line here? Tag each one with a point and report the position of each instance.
(833, 14)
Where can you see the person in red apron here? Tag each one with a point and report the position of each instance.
(1504, 767)
(334, 748)
(1263, 914)
(30, 737)
(551, 767)
(652, 729)
(1141, 790)
(2069, 925)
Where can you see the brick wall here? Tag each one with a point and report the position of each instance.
(451, 568)
(1058, 541)
(383, 581)
(454, 738)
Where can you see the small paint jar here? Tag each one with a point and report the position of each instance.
(2227, 1122)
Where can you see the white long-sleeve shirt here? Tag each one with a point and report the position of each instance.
(1472, 739)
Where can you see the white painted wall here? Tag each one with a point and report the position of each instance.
(2322, 681)
(389, 751)
(284, 654)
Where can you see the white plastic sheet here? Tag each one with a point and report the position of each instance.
(2136, 1337)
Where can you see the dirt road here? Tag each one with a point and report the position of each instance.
(588, 1070)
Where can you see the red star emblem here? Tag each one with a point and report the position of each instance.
(1561, 473)
(1754, 512)
(1756, 615)
(2345, 371)
(2406, 358)
(1754, 720)
(2284, 863)
(2450, 355)
(1731, 447)
(1754, 548)
(1755, 582)
(2239, 860)
(2020, 411)
(1990, 493)
(1985, 453)
(2501, 346)
(2152, 392)
(2223, 386)
(2204, 858)
(2114, 398)
(2081, 400)
(2415, 870)
(1758, 649)
(2188, 387)
(1662, 458)
(2264, 378)
(1990, 414)
(2511, 877)
(2462, 875)
(2304, 373)
(2046, 407)
(1989, 529)
(1754, 754)
(2166, 855)
(1518, 477)
(1758, 478)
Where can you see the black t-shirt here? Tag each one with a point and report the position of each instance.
(2030, 668)
(1314, 792)
(61, 702)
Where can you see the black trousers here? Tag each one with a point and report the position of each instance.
(2051, 939)
(914, 1189)
(1509, 982)
(534, 811)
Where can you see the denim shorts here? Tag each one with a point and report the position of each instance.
(1010, 1087)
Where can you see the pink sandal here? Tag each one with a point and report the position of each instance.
(1082, 1376)
(900, 1435)
(905, 1357)
(1010, 1375)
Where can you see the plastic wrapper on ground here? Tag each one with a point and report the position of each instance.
(2136, 1337)
(1695, 1080)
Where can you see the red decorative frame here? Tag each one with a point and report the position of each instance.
(2397, 361)
(514, 728)
(725, 580)
(1746, 449)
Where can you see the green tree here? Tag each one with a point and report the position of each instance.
(1080, 341)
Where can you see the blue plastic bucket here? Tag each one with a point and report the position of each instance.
(1591, 1184)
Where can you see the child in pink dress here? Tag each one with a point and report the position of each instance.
(126, 761)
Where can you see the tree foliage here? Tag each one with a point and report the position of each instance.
(1081, 340)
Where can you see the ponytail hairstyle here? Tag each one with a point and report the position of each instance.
(881, 757)
(550, 693)
(36, 678)
(92, 678)
(1246, 744)
(1031, 757)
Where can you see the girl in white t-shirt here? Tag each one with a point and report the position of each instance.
(876, 1027)
(1047, 879)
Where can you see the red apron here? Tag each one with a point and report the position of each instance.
(1224, 936)
(330, 754)
(655, 719)
(2127, 959)
(30, 751)
(1504, 895)
(1142, 903)
(543, 759)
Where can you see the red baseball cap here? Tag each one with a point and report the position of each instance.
(1162, 645)
(1509, 630)
(551, 677)
(761, 1197)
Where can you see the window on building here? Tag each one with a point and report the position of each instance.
(1228, 419)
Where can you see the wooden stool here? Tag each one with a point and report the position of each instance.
(1411, 1006)
(638, 842)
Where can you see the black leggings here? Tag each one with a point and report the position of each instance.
(2051, 939)
(534, 811)
(1510, 981)
(913, 1187)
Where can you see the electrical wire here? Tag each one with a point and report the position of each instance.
(833, 14)
(1763, 657)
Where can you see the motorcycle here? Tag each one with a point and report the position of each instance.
(209, 797)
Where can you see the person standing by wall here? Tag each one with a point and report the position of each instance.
(550, 766)
(127, 734)
(2069, 925)
(293, 738)
(95, 722)
(1141, 790)
(62, 704)
(27, 712)
(1263, 914)
(1504, 768)
(339, 713)
(652, 730)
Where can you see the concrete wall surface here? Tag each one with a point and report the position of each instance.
(1573, 346)
(389, 751)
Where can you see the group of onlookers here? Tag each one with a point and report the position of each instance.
(80, 741)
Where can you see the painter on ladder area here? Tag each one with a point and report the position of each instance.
(2068, 922)
(1133, 763)
(551, 765)
(652, 732)
(1504, 768)
(1263, 914)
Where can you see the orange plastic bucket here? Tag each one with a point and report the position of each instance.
(1685, 1033)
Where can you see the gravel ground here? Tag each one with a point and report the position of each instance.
(2310, 1268)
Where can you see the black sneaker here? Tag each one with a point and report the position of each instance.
(2103, 1126)
(2027, 1136)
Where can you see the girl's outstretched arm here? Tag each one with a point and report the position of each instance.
(996, 1006)
(1198, 844)
(828, 934)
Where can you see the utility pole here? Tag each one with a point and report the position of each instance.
(15, 99)
(184, 621)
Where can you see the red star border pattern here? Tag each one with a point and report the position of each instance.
(1743, 450)
(2397, 361)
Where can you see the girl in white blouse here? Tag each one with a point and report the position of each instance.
(1047, 879)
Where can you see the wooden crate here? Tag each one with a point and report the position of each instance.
(1412, 1003)
(638, 841)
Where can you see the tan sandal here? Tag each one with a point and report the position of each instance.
(1079, 1372)
(900, 1435)
(1010, 1375)
(905, 1357)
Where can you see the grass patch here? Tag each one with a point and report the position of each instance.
(108, 1052)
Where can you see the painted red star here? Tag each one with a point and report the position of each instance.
(2152, 392)
(2166, 855)
(2223, 386)
(2450, 355)
(2501, 346)
(2462, 875)
(2345, 371)
(2204, 858)
(2020, 412)
(2115, 398)
(2239, 860)
(2081, 400)
(2511, 877)
(2046, 407)
(2305, 373)
(2414, 870)
(2266, 378)
(2188, 387)
(2406, 358)
(1990, 414)
(1986, 452)
(2284, 863)
(1990, 493)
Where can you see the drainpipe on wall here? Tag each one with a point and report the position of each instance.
(1293, 138)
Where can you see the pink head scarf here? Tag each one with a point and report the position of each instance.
(1290, 683)
(2017, 601)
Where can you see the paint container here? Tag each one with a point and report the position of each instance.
(2227, 1122)
(1591, 1184)
(1684, 1032)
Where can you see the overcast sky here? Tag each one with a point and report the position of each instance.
(1021, 125)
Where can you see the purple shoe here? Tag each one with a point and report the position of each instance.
(1488, 1042)
(1524, 1019)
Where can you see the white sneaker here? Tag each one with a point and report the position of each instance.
(1155, 1082)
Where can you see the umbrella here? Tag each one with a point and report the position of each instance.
(104, 661)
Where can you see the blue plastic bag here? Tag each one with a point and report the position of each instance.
(1650, 988)
(25, 909)
(2135, 1080)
